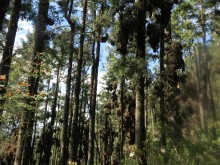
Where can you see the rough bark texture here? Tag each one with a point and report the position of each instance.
(75, 129)
(3, 10)
(8, 50)
(140, 96)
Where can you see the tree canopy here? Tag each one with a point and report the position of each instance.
(157, 103)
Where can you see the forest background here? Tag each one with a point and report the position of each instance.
(160, 67)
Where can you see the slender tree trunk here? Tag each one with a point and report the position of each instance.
(21, 137)
(71, 115)
(38, 48)
(212, 106)
(162, 106)
(3, 10)
(199, 90)
(122, 92)
(75, 136)
(65, 139)
(45, 159)
(106, 139)
(83, 129)
(93, 94)
(140, 96)
(40, 151)
(208, 86)
(46, 103)
(33, 143)
(8, 50)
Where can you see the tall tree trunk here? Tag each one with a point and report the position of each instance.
(209, 92)
(33, 143)
(40, 150)
(6, 64)
(140, 96)
(75, 136)
(83, 133)
(212, 106)
(8, 50)
(38, 48)
(3, 10)
(45, 159)
(162, 105)
(122, 103)
(65, 139)
(46, 103)
(198, 64)
(106, 140)
(93, 94)
(21, 137)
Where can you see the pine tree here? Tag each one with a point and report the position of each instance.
(3, 10)
(8, 51)
(140, 96)
(65, 138)
(27, 118)
(75, 128)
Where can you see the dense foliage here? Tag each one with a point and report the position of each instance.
(109, 82)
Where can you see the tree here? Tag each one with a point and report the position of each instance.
(94, 82)
(3, 10)
(75, 128)
(140, 96)
(65, 137)
(159, 97)
(47, 135)
(27, 119)
(8, 51)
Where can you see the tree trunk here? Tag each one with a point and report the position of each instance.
(65, 139)
(46, 103)
(93, 94)
(8, 50)
(122, 92)
(208, 86)
(140, 96)
(106, 140)
(199, 96)
(45, 159)
(75, 135)
(83, 133)
(38, 48)
(162, 106)
(21, 137)
(3, 10)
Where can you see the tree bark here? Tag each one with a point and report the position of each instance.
(21, 137)
(122, 103)
(8, 50)
(3, 10)
(140, 96)
(65, 139)
(93, 94)
(45, 158)
(38, 48)
(75, 129)
(162, 108)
